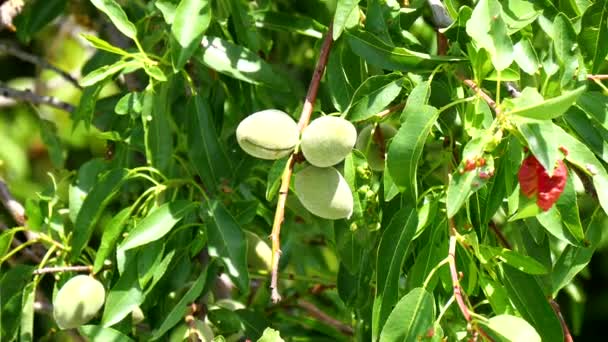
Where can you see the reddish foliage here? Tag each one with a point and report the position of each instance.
(534, 180)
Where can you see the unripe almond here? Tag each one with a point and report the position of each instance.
(78, 301)
(324, 192)
(268, 134)
(259, 254)
(374, 152)
(201, 329)
(328, 140)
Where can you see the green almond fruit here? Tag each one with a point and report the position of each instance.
(328, 140)
(201, 329)
(259, 254)
(78, 301)
(324, 192)
(268, 134)
(374, 153)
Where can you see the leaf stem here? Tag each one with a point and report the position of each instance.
(311, 96)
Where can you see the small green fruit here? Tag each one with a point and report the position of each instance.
(324, 192)
(268, 134)
(375, 153)
(202, 331)
(328, 140)
(259, 254)
(78, 301)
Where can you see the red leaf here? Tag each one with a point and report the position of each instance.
(534, 180)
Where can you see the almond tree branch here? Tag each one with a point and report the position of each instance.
(556, 309)
(597, 77)
(60, 269)
(42, 63)
(15, 208)
(311, 96)
(28, 96)
(325, 318)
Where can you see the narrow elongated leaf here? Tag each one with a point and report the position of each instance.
(117, 16)
(512, 328)
(532, 105)
(204, 146)
(589, 130)
(595, 104)
(566, 47)
(406, 147)
(92, 207)
(528, 297)
(351, 163)
(489, 31)
(157, 224)
(240, 63)
(99, 333)
(525, 56)
(179, 310)
(101, 44)
(12, 283)
(344, 9)
(111, 233)
(106, 71)
(521, 262)
(575, 258)
(158, 135)
(380, 54)
(123, 297)
(6, 238)
(86, 108)
(411, 318)
(542, 142)
(287, 22)
(34, 17)
(594, 34)
(343, 74)
(392, 251)
(227, 241)
(26, 331)
(372, 96)
(191, 19)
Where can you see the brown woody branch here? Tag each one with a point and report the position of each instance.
(556, 309)
(325, 318)
(60, 269)
(13, 206)
(311, 96)
(28, 96)
(42, 63)
(597, 77)
(454, 273)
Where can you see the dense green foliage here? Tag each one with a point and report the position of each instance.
(138, 178)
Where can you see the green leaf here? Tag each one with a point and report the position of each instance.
(574, 259)
(167, 8)
(155, 72)
(351, 163)
(344, 10)
(99, 333)
(111, 233)
(157, 224)
(35, 16)
(594, 35)
(226, 241)
(178, 312)
(489, 31)
(270, 335)
(343, 74)
(124, 296)
(406, 147)
(92, 207)
(118, 17)
(519, 261)
(392, 251)
(86, 108)
(106, 71)
(583, 158)
(101, 44)
(205, 149)
(528, 297)
(595, 104)
(512, 328)
(12, 283)
(532, 105)
(525, 56)
(542, 141)
(411, 318)
(157, 127)
(288, 22)
(273, 182)
(48, 134)
(518, 14)
(378, 53)
(240, 63)
(372, 96)
(192, 17)
(26, 331)
(566, 47)
(6, 238)
(589, 130)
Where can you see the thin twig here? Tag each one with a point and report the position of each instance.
(556, 309)
(597, 77)
(311, 96)
(471, 84)
(60, 269)
(27, 95)
(325, 318)
(454, 273)
(390, 110)
(501, 237)
(42, 63)
(8, 11)
(15, 208)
